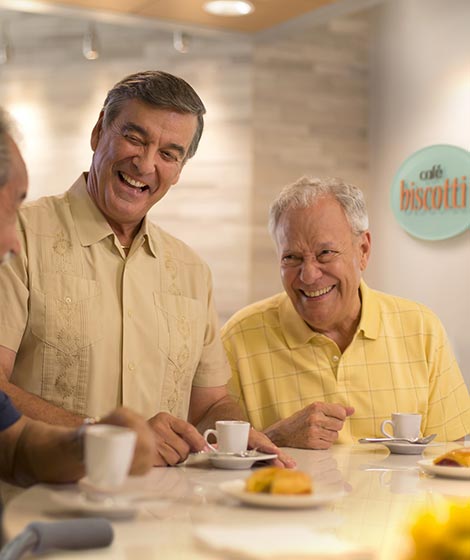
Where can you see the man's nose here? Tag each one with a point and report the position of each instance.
(145, 162)
(310, 271)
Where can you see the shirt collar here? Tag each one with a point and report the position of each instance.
(90, 223)
(370, 312)
(294, 328)
(298, 333)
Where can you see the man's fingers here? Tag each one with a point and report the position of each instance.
(189, 434)
(175, 439)
(331, 424)
(334, 410)
(285, 460)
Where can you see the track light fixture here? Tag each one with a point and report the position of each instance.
(90, 44)
(5, 45)
(181, 42)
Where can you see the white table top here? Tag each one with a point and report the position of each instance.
(382, 492)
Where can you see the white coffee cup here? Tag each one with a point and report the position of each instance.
(404, 425)
(108, 454)
(231, 435)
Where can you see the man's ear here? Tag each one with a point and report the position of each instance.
(96, 132)
(365, 245)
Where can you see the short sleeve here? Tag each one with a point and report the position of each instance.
(8, 413)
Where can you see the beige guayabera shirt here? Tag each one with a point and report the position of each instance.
(94, 329)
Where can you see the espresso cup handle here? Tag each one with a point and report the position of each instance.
(207, 433)
(382, 428)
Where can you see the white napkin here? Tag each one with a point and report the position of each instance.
(272, 542)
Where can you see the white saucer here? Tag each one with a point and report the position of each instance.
(449, 472)
(110, 507)
(403, 447)
(227, 461)
(236, 489)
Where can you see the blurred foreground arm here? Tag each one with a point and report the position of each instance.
(32, 451)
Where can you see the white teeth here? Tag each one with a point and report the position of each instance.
(133, 182)
(318, 292)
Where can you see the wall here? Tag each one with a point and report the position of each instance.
(420, 95)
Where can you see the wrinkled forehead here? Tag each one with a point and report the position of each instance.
(322, 221)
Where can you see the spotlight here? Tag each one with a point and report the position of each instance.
(229, 7)
(90, 45)
(180, 42)
(5, 45)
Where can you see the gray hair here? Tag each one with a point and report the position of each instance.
(160, 90)
(5, 133)
(306, 191)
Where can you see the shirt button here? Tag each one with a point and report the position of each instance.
(131, 366)
(335, 358)
(129, 313)
(68, 299)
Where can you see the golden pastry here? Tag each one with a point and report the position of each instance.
(274, 480)
(459, 457)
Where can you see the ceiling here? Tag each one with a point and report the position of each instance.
(267, 14)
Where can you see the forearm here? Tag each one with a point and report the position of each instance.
(223, 409)
(48, 454)
(37, 408)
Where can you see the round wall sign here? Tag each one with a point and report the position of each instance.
(431, 194)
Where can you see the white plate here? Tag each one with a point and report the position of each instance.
(111, 507)
(226, 461)
(236, 489)
(450, 472)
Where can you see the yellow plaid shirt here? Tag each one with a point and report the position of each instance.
(400, 360)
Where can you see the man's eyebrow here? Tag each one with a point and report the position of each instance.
(132, 127)
(177, 147)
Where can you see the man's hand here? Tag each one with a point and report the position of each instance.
(258, 440)
(175, 439)
(144, 453)
(316, 426)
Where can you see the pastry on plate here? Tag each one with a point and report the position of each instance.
(459, 457)
(274, 480)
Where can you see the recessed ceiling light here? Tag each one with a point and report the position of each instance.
(229, 7)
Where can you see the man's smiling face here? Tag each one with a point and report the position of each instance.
(137, 158)
(321, 263)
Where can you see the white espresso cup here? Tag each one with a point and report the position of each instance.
(108, 454)
(404, 425)
(231, 436)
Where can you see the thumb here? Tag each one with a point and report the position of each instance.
(349, 410)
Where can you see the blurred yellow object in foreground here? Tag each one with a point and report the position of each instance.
(443, 534)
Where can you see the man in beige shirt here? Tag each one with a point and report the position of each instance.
(31, 450)
(105, 308)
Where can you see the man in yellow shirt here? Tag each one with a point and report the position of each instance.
(329, 359)
(105, 308)
(30, 450)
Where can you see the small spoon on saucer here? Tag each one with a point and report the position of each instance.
(247, 453)
(419, 441)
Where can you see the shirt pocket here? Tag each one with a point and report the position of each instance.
(180, 325)
(65, 311)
